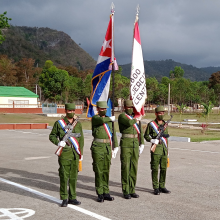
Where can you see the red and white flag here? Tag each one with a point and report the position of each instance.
(137, 81)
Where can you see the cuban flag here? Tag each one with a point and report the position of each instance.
(102, 73)
(137, 80)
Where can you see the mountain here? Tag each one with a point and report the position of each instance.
(44, 44)
(162, 68)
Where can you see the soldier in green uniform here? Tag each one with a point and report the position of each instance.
(102, 150)
(132, 145)
(70, 156)
(159, 156)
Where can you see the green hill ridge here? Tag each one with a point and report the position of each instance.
(162, 68)
(44, 44)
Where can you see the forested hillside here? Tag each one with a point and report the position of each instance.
(162, 68)
(43, 44)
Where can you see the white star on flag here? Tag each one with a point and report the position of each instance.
(106, 45)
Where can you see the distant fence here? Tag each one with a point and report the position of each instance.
(49, 108)
(35, 108)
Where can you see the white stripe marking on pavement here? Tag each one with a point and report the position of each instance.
(25, 132)
(35, 158)
(84, 211)
(202, 151)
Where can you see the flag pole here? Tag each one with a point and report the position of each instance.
(137, 20)
(113, 73)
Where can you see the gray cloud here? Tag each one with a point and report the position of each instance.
(186, 31)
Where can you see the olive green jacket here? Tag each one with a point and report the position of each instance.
(58, 133)
(98, 130)
(126, 127)
(150, 133)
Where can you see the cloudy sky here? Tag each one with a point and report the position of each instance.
(187, 31)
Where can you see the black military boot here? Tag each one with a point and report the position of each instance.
(64, 203)
(156, 192)
(134, 195)
(100, 198)
(164, 190)
(127, 196)
(108, 197)
(74, 202)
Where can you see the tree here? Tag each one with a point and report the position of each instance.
(214, 79)
(87, 86)
(207, 109)
(27, 74)
(3, 24)
(152, 86)
(75, 89)
(181, 109)
(178, 72)
(8, 71)
(54, 83)
(214, 83)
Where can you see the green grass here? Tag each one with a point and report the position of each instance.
(213, 118)
(195, 135)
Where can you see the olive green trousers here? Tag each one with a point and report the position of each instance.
(129, 165)
(101, 155)
(157, 160)
(68, 173)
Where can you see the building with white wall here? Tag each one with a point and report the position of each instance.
(17, 97)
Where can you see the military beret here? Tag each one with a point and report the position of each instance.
(70, 106)
(129, 103)
(159, 108)
(102, 104)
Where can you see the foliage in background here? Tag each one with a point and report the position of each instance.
(178, 72)
(54, 83)
(3, 24)
(22, 73)
(181, 109)
(43, 44)
(207, 109)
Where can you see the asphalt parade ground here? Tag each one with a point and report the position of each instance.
(29, 182)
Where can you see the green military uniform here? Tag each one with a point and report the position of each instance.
(158, 157)
(68, 160)
(129, 153)
(101, 153)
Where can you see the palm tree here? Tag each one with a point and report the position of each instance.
(207, 109)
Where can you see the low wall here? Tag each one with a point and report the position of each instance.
(24, 126)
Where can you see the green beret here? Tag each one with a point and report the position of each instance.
(102, 104)
(129, 103)
(70, 106)
(159, 108)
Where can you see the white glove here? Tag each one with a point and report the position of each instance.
(138, 119)
(112, 118)
(141, 148)
(62, 144)
(154, 141)
(114, 152)
(81, 158)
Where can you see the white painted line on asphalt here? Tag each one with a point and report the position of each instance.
(35, 158)
(84, 211)
(202, 151)
(25, 132)
(16, 213)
